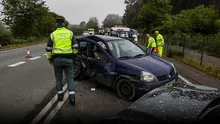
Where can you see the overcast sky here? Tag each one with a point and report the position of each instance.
(76, 11)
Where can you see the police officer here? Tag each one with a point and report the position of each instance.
(160, 43)
(61, 49)
(151, 44)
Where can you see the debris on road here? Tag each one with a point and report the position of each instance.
(92, 89)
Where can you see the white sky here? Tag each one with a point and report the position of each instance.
(76, 11)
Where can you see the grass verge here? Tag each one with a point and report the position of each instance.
(208, 69)
(12, 46)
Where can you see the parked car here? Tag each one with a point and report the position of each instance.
(122, 65)
(172, 104)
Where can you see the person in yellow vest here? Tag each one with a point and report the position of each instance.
(160, 43)
(151, 44)
(61, 49)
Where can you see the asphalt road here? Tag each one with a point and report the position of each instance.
(27, 86)
(27, 92)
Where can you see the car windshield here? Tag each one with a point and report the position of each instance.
(123, 48)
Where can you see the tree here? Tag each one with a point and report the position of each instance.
(21, 15)
(82, 24)
(93, 23)
(152, 14)
(111, 20)
(132, 8)
(29, 18)
(77, 30)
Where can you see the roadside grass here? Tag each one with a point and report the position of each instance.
(205, 68)
(23, 43)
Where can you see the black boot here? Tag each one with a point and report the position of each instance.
(72, 99)
(60, 96)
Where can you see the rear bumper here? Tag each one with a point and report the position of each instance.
(143, 87)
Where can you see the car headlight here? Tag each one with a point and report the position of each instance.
(148, 77)
(173, 67)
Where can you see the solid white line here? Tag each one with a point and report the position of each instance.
(55, 110)
(185, 80)
(45, 54)
(37, 57)
(16, 64)
(46, 108)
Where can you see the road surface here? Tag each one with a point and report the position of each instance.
(28, 95)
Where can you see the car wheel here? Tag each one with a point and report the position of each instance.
(77, 69)
(125, 90)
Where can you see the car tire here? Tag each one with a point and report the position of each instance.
(77, 69)
(125, 90)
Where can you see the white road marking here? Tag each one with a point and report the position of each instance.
(185, 80)
(46, 108)
(16, 64)
(55, 110)
(45, 54)
(37, 57)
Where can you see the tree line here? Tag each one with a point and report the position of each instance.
(31, 19)
(187, 19)
(24, 19)
(169, 16)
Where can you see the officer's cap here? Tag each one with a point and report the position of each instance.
(60, 20)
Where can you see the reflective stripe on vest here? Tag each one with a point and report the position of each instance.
(62, 41)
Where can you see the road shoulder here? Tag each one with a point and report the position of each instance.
(194, 75)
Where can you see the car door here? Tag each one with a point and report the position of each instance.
(83, 54)
(103, 69)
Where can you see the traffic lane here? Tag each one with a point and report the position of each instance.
(91, 106)
(8, 57)
(23, 88)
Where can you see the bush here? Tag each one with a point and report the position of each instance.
(172, 53)
(5, 39)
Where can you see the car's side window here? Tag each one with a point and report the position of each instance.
(99, 54)
(83, 46)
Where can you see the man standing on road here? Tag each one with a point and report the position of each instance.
(61, 49)
(151, 44)
(160, 43)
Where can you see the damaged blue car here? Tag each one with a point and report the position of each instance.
(122, 65)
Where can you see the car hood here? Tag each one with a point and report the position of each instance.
(150, 64)
(180, 103)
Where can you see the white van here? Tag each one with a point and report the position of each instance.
(91, 31)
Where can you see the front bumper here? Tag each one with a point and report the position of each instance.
(143, 87)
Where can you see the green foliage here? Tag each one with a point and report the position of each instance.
(93, 23)
(5, 35)
(173, 53)
(132, 8)
(111, 20)
(152, 14)
(28, 18)
(77, 30)
(208, 69)
(203, 19)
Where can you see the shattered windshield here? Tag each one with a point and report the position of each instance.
(124, 48)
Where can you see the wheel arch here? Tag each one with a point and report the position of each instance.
(124, 76)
